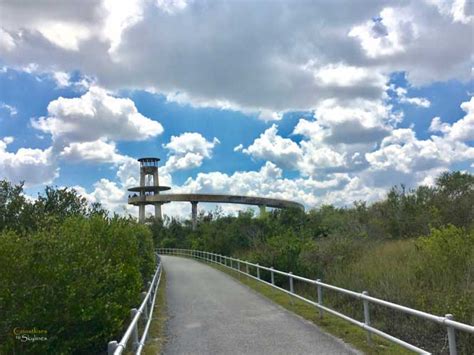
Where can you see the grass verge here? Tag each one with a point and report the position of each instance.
(156, 334)
(340, 328)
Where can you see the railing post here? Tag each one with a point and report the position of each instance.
(367, 316)
(258, 271)
(135, 341)
(451, 337)
(291, 283)
(111, 347)
(320, 297)
(247, 268)
(146, 306)
(238, 264)
(272, 276)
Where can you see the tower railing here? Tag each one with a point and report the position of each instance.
(237, 265)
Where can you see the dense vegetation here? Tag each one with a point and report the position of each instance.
(68, 269)
(416, 248)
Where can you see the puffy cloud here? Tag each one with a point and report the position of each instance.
(65, 35)
(417, 101)
(359, 121)
(459, 10)
(6, 41)
(268, 181)
(171, 6)
(191, 142)
(62, 79)
(12, 111)
(268, 115)
(386, 35)
(438, 126)
(343, 76)
(128, 172)
(188, 151)
(119, 17)
(260, 63)
(110, 195)
(184, 162)
(407, 38)
(364, 139)
(270, 146)
(34, 166)
(98, 151)
(83, 129)
(403, 152)
(320, 159)
(335, 141)
(463, 129)
(96, 115)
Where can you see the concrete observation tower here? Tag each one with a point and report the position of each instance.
(149, 186)
(149, 194)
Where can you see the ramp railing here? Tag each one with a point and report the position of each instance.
(236, 264)
(144, 313)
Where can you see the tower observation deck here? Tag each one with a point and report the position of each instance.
(149, 194)
(149, 186)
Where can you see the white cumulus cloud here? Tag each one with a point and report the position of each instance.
(96, 115)
(188, 150)
(33, 166)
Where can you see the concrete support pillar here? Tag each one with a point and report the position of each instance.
(158, 211)
(194, 208)
(156, 179)
(263, 210)
(142, 177)
(141, 213)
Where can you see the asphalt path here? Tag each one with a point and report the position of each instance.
(209, 312)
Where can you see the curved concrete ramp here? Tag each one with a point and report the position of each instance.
(211, 313)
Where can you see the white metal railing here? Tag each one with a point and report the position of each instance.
(145, 310)
(235, 264)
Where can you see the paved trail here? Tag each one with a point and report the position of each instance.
(211, 313)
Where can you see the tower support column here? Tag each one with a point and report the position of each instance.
(194, 205)
(141, 213)
(158, 214)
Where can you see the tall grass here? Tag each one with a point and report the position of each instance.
(433, 274)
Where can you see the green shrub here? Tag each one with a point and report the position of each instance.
(77, 280)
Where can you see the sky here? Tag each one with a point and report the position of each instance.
(321, 102)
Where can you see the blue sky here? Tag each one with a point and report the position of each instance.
(337, 109)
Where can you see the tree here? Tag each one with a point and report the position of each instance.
(455, 198)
